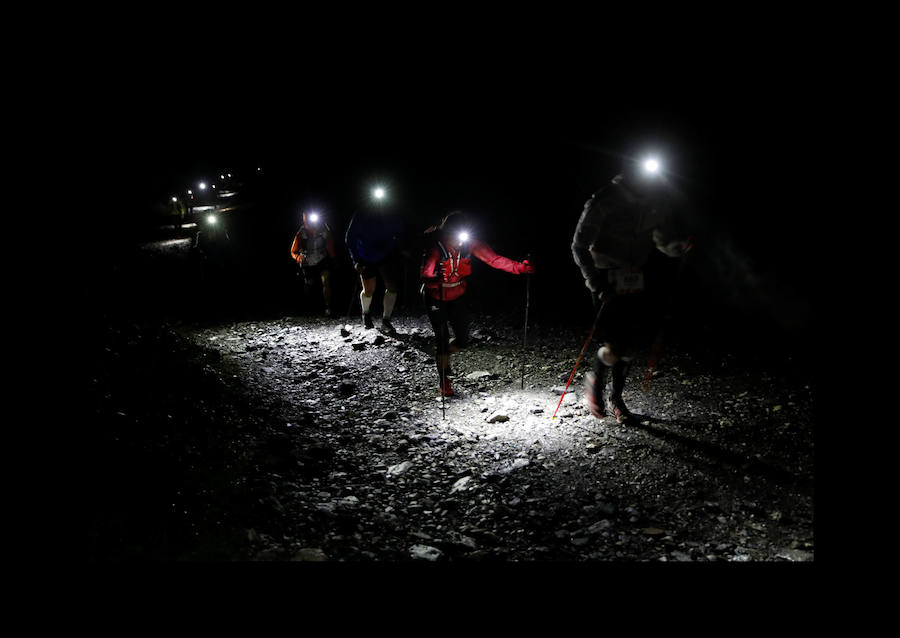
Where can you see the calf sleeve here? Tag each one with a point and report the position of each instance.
(365, 301)
(606, 357)
(390, 298)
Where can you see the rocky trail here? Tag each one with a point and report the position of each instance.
(302, 438)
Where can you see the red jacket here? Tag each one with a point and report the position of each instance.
(456, 268)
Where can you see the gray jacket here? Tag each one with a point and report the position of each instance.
(618, 228)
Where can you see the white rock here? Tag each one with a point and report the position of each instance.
(400, 468)
(480, 374)
(520, 463)
(310, 554)
(517, 464)
(498, 417)
(460, 484)
(425, 552)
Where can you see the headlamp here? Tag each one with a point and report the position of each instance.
(463, 236)
(314, 217)
(211, 219)
(651, 166)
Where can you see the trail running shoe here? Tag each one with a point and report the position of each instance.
(594, 395)
(387, 327)
(367, 320)
(616, 407)
(446, 390)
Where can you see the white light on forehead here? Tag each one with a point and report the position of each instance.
(314, 217)
(211, 219)
(651, 165)
(378, 193)
(464, 236)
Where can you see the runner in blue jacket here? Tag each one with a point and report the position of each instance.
(374, 239)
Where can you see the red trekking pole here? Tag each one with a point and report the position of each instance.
(581, 354)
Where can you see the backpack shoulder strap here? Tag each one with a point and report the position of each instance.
(445, 254)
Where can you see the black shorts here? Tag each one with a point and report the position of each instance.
(388, 269)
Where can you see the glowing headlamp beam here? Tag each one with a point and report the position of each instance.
(651, 165)
(378, 192)
(211, 219)
(463, 236)
(314, 217)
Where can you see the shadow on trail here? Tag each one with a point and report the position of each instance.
(423, 342)
(720, 454)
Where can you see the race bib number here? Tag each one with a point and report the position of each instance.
(627, 280)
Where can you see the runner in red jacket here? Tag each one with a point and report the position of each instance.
(446, 265)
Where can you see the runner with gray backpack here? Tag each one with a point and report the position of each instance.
(619, 227)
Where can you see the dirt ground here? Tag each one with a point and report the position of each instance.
(298, 437)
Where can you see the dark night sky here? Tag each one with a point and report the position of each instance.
(525, 156)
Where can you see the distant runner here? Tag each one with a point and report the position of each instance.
(313, 250)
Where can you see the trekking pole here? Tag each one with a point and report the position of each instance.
(527, 303)
(441, 341)
(656, 349)
(581, 354)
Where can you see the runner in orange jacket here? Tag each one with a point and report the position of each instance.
(313, 250)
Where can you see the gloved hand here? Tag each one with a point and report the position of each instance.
(678, 248)
(602, 297)
(671, 247)
(526, 268)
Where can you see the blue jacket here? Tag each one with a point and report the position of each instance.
(373, 236)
